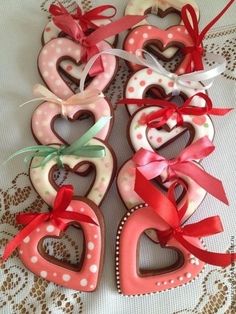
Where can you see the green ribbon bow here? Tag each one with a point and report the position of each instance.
(78, 148)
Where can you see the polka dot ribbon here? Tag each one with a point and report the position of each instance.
(57, 216)
(152, 165)
(167, 211)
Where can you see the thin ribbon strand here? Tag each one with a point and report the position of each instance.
(152, 165)
(145, 59)
(57, 216)
(83, 98)
(190, 21)
(160, 117)
(167, 211)
(79, 148)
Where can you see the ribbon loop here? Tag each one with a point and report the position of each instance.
(152, 165)
(57, 215)
(196, 51)
(167, 211)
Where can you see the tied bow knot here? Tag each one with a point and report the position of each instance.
(152, 165)
(167, 211)
(197, 50)
(58, 215)
(159, 118)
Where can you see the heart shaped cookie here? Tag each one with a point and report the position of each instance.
(43, 181)
(83, 277)
(130, 281)
(140, 82)
(158, 40)
(60, 49)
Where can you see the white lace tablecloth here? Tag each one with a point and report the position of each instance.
(22, 23)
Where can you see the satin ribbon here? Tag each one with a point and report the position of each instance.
(190, 21)
(79, 148)
(85, 19)
(167, 211)
(57, 215)
(86, 97)
(145, 59)
(152, 165)
(160, 117)
(89, 43)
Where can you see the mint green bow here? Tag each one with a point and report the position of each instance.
(78, 148)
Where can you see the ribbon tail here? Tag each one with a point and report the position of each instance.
(209, 183)
(220, 111)
(16, 241)
(213, 258)
(63, 198)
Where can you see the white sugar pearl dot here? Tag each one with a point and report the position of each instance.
(188, 275)
(89, 256)
(90, 245)
(181, 278)
(83, 282)
(26, 239)
(66, 277)
(50, 228)
(145, 35)
(93, 268)
(58, 82)
(131, 41)
(34, 259)
(43, 274)
(170, 35)
(45, 73)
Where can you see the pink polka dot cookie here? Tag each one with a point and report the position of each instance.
(131, 280)
(144, 80)
(125, 186)
(59, 49)
(43, 181)
(45, 115)
(141, 136)
(82, 277)
(157, 41)
(160, 8)
(71, 69)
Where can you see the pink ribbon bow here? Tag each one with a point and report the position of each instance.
(152, 165)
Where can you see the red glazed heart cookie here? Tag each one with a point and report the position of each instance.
(143, 37)
(83, 277)
(130, 281)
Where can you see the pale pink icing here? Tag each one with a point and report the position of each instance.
(43, 119)
(125, 185)
(153, 139)
(50, 56)
(130, 282)
(85, 279)
(104, 173)
(51, 31)
(142, 35)
(146, 78)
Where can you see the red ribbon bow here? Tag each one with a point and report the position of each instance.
(167, 211)
(152, 165)
(169, 108)
(56, 215)
(196, 51)
(89, 43)
(85, 19)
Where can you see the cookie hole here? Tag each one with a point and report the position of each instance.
(163, 19)
(81, 182)
(70, 130)
(153, 259)
(67, 250)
